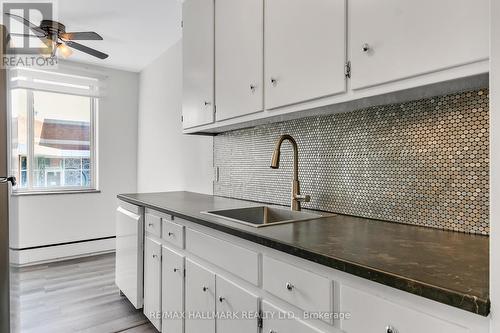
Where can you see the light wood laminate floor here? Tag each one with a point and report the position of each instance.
(72, 296)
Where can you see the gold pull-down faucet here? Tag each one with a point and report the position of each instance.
(297, 198)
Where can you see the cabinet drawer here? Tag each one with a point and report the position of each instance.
(233, 258)
(370, 313)
(173, 233)
(153, 224)
(277, 321)
(304, 289)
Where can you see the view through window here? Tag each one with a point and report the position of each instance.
(53, 144)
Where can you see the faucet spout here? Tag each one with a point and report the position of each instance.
(296, 198)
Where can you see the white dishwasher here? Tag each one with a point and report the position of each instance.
(129, 251)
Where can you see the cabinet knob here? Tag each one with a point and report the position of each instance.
(274, 82)
(272, 331)
(205, 289)
(170, 233)
(207, 103)
(176, 270)
(289, 286)
(155, 256)
(253, 87)
(221, 299)
(150, 224)
(390, 329)
(365, 47)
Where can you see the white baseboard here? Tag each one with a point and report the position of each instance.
(42, 255)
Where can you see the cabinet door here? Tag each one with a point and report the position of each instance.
(278, 321)
(198, 62)
(172, 287)
(238, 57)
(152, 282)
(200, 299)
(396, 39)
(234, 299)
(304, 50)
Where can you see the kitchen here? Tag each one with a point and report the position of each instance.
(268, 166)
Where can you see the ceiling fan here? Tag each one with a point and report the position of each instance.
(54, 35)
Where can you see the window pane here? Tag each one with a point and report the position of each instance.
(62, 135)
(19, 136)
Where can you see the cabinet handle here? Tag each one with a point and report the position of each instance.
(274, 82)
(365, 47)
(221, 299)
(205, 289)
(390, 329)
(289, 286)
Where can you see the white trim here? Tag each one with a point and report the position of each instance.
(63, 252)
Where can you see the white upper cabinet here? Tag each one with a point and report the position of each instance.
(198, 62)
(396, 39)
(305, 54)
(238, 57)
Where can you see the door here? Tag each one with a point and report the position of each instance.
(4, 201)
(238, 57)
(129, 252)
(198, 62)
(152, 282)
(200, 299)
(304, 50)
(397, 39)
(278, 321)
(236, 300)
(172, 287)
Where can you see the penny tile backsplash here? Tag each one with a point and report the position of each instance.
(423, 162)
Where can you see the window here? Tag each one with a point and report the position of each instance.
(53, 130)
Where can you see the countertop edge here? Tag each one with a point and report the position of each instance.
(470, 303)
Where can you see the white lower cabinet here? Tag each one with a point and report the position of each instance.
(152, 281)
(172, 286)
(370, 313)
(276, 320)
(194, 291)
(200, 299)
(237, 308)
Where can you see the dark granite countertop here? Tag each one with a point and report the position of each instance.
(445, 266)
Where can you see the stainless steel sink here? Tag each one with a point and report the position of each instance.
(262, 216)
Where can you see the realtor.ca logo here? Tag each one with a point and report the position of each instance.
(27, 42)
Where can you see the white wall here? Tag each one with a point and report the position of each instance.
(167, 159)
(50, 219)
(495, 165)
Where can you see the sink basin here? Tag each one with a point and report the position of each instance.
(262, 216)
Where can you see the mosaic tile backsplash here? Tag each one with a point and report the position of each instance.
(423, 162)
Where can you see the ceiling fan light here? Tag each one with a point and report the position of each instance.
(64, 50)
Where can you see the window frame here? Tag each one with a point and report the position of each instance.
(30, 113)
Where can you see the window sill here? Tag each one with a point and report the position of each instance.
(53, 192)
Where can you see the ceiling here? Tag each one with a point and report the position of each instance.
(135, 32)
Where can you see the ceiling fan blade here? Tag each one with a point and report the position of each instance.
(82, 35)
(86, 49)
(22, 35)
(36, 29)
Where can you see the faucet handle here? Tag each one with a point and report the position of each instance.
(303, 197)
